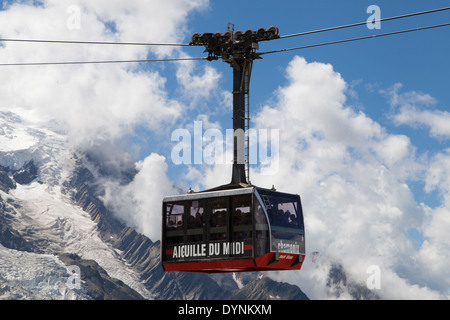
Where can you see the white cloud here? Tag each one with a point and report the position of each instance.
(352, 176)
(436, 121)
(196, 88)
(438, 174)
(100, 107)
(351, 173)
(93, 102)
(139, 202)
(435, 250)
(413, 109)
(431, 259)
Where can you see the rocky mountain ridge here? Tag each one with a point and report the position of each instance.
(51, 217)
(142, 255)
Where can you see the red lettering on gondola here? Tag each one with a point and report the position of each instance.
(214, 249)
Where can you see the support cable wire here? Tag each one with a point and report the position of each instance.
(196, 59)
(356, 39)
(193, 59)
(95, 42)
(363, 23)
(190, 45)
(96, 62)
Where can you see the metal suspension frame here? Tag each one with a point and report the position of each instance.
(239, 50)
(241, 121)
(247, 76)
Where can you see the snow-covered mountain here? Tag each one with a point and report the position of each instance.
(59, 241)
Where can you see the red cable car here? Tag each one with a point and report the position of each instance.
(231, 230)
(238, 226)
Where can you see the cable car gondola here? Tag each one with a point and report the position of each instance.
(238, 226)
(231, 230)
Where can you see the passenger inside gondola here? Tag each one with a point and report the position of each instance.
(293, 220)
(195, 222)
(241, 218)
(175, 218)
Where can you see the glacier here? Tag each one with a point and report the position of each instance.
(47, 216)
(31, 276)
(51, 217)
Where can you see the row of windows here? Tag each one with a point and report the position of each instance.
(197, 218)
(229, 218)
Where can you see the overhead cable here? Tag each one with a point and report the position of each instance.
(96, 62)
(187, 45)
(363, 23)
(95, 42)
(193, 59)
(356, 39)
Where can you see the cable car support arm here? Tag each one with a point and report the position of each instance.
(239, 50)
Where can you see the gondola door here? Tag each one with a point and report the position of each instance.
(217, 226)
(229, 228)
(242, 229)
(196, 224)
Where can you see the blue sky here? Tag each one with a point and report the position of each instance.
(364, 127)
(382, 75)
(418, 60)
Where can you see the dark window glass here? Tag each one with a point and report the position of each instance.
(174, 223)
(218, 219)
(241, 217)
(195, 221)
(174, 216)
(283, 212)
(262, 242)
